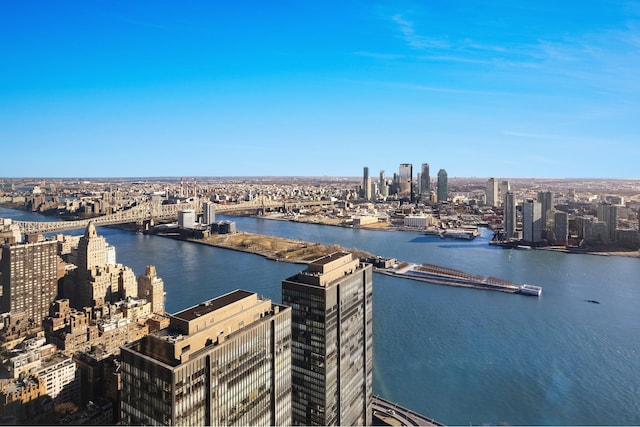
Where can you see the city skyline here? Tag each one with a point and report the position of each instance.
(533, 89)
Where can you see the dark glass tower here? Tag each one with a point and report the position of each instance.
(332, 341)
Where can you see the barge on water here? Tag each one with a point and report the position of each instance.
(448, 276)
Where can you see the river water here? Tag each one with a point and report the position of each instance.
(460, 356)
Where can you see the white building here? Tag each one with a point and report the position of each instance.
(187, 218)
(418, 220)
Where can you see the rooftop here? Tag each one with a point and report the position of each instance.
(212, 305)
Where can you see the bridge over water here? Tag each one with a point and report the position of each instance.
(154, 211)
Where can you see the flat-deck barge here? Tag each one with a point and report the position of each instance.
(448, 276)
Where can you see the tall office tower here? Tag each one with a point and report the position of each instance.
(443, 189)
(546, 200)
(332, 348)
(425, 181)
(405, 181)
(418, 190)
(91, 251)
(226, 361)
(509, 215)
(503, 188)
(384, 188)
(532, 221)
(151, 288)
(366, 184)
(608, 213)
(28, 275)
(492, 192)
(561, 227)
(208, 213)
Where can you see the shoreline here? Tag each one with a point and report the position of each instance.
(319, 249)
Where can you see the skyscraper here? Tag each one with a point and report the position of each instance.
(425, 181)
(405, 175)
(503, 188)
(509, 219)
(332, 347)
(443, 190)
(532, 221)
(383, 187)
(226, 361)
(492, 192)
(28, 275)
(546, 200)
(366, 184)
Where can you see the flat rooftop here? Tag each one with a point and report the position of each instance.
(212, 305)
(329, 258)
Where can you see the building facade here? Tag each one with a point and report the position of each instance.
(425, 181)
(332, 349)
(29, 278)
(532, 221)
(405, 181)
(443, 186)
(492, 192)
(509, 215)
(226, 361)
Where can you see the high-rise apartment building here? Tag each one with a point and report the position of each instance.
(532, 221)
(226, 361)
(425, 181)
(546, 200)
(332, 348)
(28, 276)
(208, 213)
(443, 186)
(405, 181)
(503, 188)
(492, 192)
(561, 227)
(608, 214)
(509, 218)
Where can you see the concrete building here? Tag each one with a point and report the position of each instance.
(226, 361)
(208, 213)
(443, 186)
(332, 349)
(491, 193)
(532, 221)
(186, 218)
(417, 220)
(405, 182)
(29, 278)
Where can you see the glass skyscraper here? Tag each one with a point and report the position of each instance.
(332, 341)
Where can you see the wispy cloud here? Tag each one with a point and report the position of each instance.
(413, 39)
(378, 55)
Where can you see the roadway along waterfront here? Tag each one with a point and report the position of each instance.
(459, 356)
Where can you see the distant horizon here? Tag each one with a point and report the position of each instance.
(164, 88)
(188, 179)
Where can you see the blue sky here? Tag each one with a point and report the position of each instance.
(301, 88)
